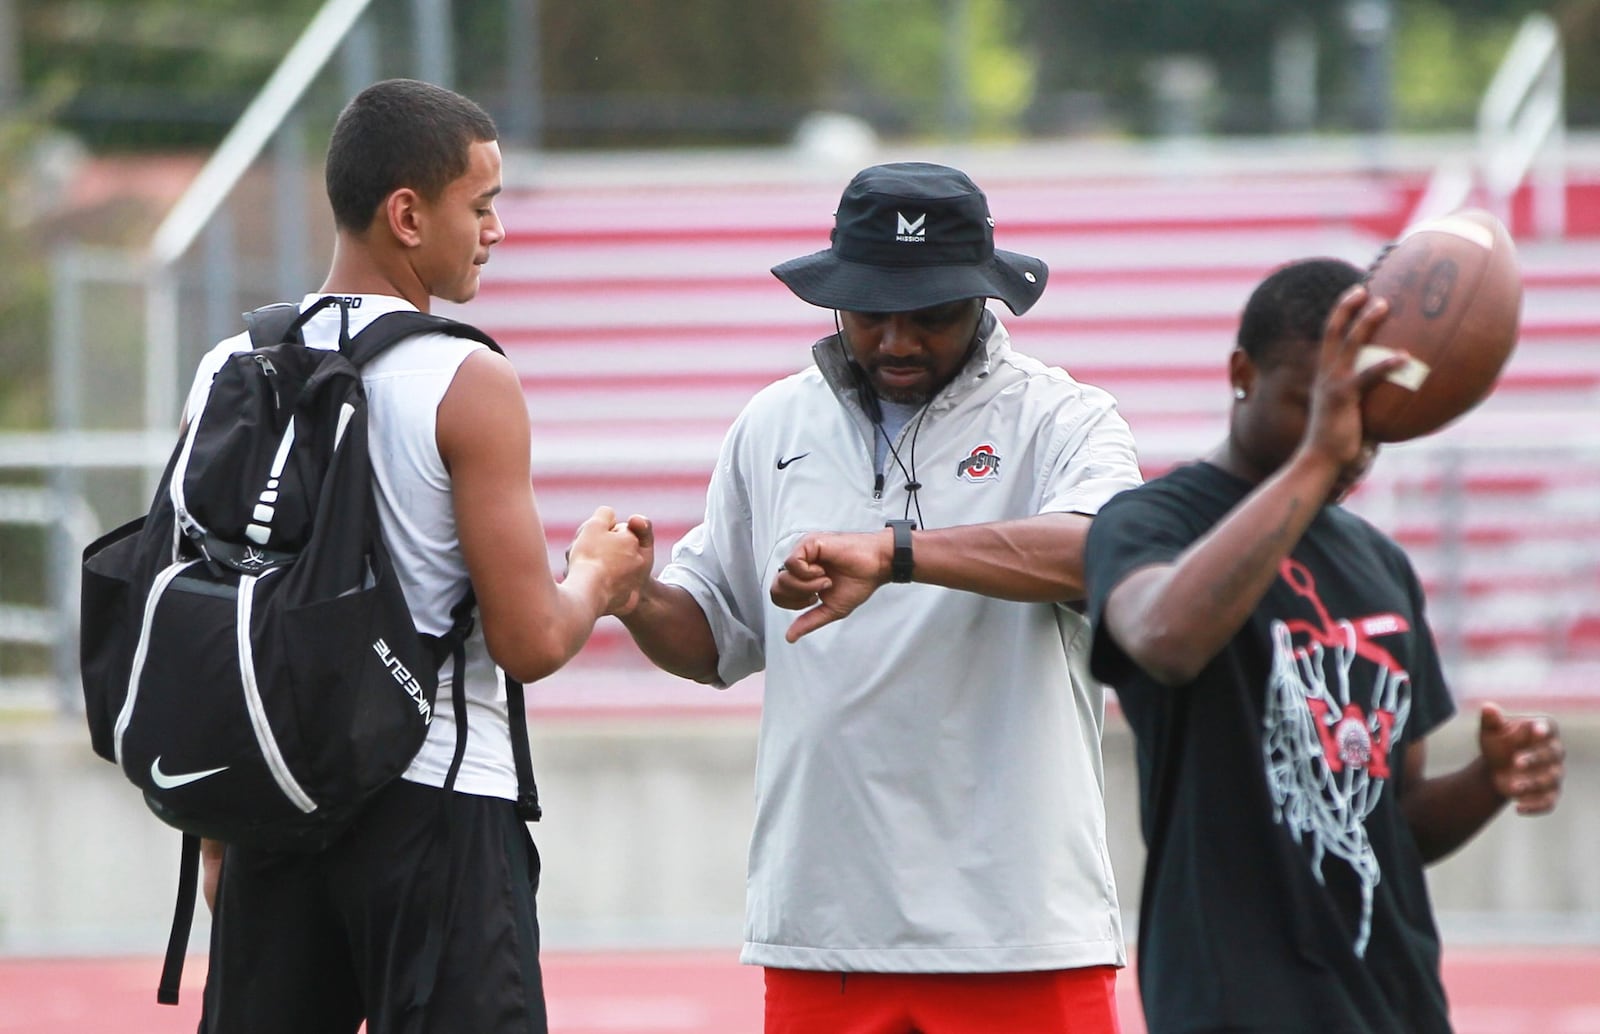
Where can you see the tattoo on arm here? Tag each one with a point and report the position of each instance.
(1288, 519)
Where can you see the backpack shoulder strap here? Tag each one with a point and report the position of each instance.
(453, 646)
(528, 809)
(269, 325)
(393, 327)
(182, 920)
(273, 324)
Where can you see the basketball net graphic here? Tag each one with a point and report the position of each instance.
(1327, 762)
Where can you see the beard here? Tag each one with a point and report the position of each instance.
(916, 393)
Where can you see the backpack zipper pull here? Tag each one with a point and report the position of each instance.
(271, 373)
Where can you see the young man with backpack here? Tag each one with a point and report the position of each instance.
(421, 916)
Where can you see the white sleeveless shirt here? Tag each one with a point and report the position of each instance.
(416, 510)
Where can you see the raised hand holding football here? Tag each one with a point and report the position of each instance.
(1455, 305)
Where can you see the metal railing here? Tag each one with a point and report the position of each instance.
(1522, 126)
(1521, 137)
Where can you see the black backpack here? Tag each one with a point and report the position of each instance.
(248, 656)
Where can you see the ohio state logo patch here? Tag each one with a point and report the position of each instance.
(982, 465)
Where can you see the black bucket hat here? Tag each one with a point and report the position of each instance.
(912, 235)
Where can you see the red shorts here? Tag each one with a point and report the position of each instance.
(1060, 1001)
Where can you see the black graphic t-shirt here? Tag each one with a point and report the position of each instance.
(1283, 890)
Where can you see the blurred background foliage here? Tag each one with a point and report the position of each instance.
(154, 73)
(661, 72)
(1443, 53)
(25, 287)
(166, 73)
(1448, 61)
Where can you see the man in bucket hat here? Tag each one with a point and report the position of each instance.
(929, 847)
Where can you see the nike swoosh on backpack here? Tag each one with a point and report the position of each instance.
(170, 782)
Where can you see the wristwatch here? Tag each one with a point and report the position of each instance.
(900, 563)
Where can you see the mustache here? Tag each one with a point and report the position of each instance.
(900, 364)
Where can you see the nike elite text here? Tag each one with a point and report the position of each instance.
(402, 675)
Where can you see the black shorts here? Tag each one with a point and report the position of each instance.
(420, 920)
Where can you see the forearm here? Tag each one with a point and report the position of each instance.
(530, 649)
(1447, 811)
(1032, 560)
(672, 631)
(1173, 623)
(581, 599)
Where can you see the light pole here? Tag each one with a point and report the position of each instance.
(524, 76)
(1371, 25)
(10, 57)
(958, 69)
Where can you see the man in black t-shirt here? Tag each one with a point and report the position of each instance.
(1271, 653)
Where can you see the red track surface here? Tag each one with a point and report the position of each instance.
(1493, 991)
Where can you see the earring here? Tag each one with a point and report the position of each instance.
(1239, 393)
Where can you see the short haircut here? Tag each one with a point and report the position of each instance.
(399, 133)
(1291, 305)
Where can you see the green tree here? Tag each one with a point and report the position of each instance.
(25, 289)
(1106, 46)
(677, 71)
(1580, 31)
(992, 73)
(155, 73)
(1443, 52)
(1449, 60)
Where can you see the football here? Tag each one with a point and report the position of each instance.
(1455, 305)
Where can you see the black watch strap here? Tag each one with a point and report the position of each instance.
(900, 563)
